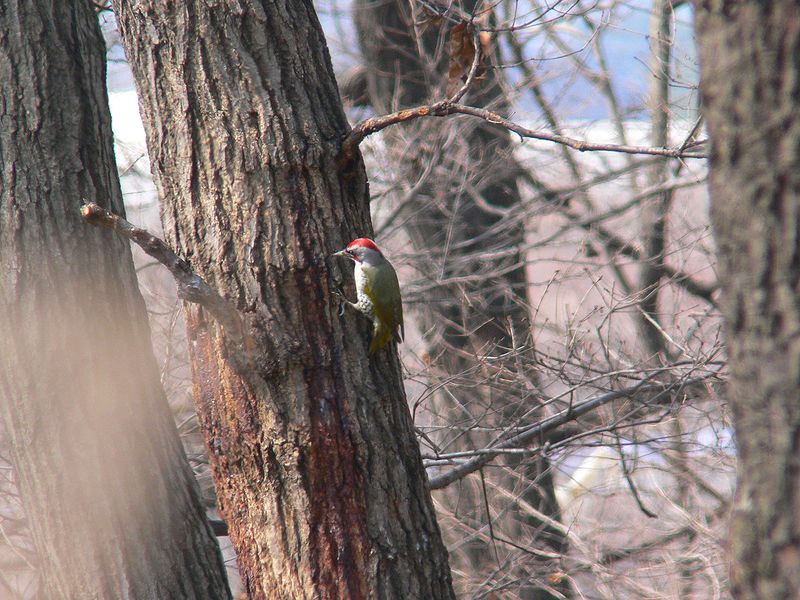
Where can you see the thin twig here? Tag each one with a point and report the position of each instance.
(629, 480)
(489, 518)
(14, 548)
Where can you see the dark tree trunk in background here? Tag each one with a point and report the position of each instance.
(313, 450)
(112, 504)
(655, 213)
(750, 70)
(466, 227)
(397, 76)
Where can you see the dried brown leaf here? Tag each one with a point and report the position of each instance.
(462, 53)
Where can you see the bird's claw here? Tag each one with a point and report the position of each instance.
(342, 300)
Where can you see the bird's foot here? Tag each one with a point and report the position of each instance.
(342, 301)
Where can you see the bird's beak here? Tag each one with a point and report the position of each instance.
(340, 253)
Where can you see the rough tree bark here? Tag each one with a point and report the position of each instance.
(750, 81)
(464, 207)
(312, 449)
(112, 504)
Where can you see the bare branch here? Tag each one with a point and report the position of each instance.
(547, 425)
(191, 287)
(489, 518)
(446, 108)
(629, 480)
(614, 243)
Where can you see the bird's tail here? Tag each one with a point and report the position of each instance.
(381, 336)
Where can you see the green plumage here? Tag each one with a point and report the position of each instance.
(382, 291)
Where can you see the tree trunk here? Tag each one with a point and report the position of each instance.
(112, 504)
(312, 449)
(750, 60)
(655, 213)
(452, 232)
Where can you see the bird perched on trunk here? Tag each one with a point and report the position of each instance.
(377, 290)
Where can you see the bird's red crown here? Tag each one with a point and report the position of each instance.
(363, 243)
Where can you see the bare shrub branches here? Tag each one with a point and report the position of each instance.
(656, 394)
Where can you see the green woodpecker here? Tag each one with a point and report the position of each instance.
(377, 290)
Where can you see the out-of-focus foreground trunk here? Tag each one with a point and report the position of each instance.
(111, 501)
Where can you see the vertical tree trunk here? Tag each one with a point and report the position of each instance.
(655, 213)
(750, 68)
(451, 231)
(111, 501)
(312, 450)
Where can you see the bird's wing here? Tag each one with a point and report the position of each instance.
(392, 313)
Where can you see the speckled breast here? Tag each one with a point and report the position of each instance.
(364, 301)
